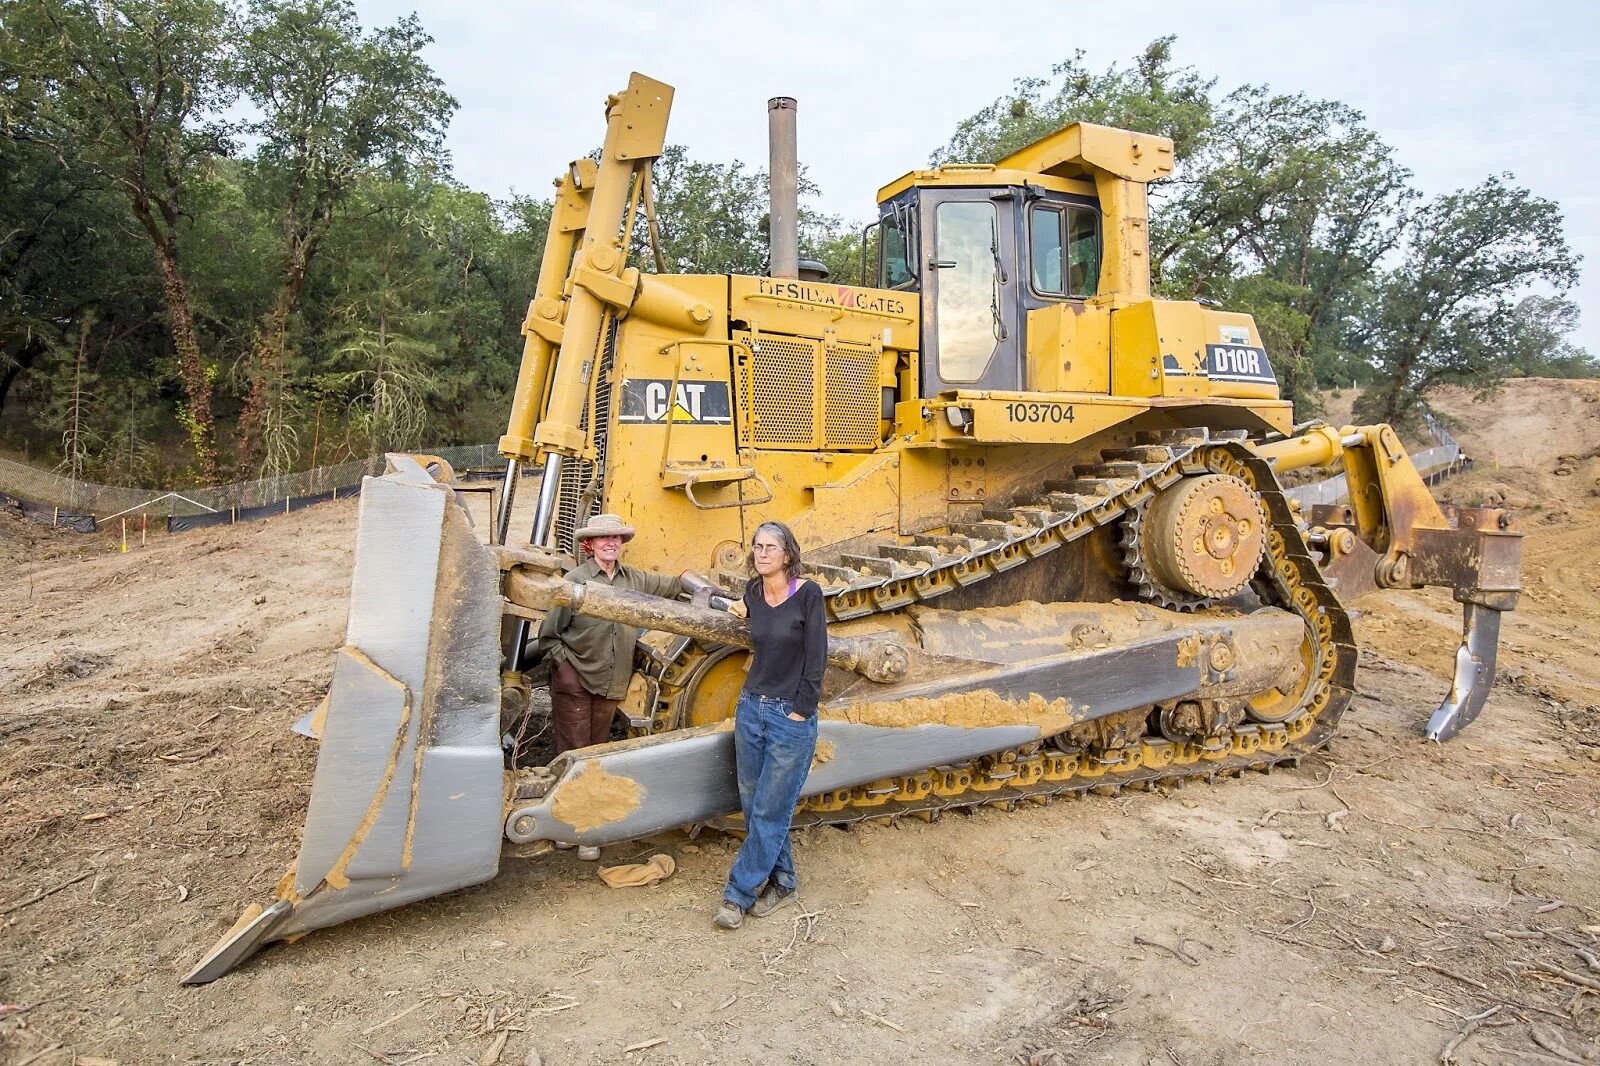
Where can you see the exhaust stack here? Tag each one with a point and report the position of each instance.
(783, 182)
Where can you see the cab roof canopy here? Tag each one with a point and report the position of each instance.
(1067, 160)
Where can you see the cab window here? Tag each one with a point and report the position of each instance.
(1065, 250)
(1044, 229)
(895, 242)
(967, 311)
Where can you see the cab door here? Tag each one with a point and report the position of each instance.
(970, 338)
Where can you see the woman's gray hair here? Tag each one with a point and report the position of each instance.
(791, 548)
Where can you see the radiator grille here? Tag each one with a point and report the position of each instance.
(582, 481)
(796, 393)
(854, 399)
(782, 391)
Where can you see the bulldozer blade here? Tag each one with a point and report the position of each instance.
(1480, 640)
(633, 788)
(630, 789)
(407, 799)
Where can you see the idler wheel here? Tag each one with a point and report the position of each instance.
(1205, 535)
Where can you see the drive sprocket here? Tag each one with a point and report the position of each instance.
(1196, 542)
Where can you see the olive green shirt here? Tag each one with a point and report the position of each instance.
(601, 652)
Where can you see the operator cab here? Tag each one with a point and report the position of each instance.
(981, 258)
(998, 251)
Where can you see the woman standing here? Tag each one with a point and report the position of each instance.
(775, 724)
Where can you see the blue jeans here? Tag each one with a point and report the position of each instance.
(774, 756)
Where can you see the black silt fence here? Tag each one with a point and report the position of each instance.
(233, 515)
(45, 515)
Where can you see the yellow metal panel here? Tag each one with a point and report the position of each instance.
(922, 490)
(965, 175)
(1069, 348)
(571, 210)
(649, 349)
(1125, 265)
(1226, 327)
(1065, 418)
(1159, 349)
(1053, 418)
(661, 300)
(1088, 364)
(1047, 347)
(1135, 351)
(672, 531)
(1180, 340)
(866, 496)
(912, 419)
(1084, 147)
(826, 497)
(645, 106)
(807, 308)
(967, 475)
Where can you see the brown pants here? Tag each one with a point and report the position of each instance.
(581, 717)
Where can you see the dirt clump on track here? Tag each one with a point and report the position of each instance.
(1386, 901)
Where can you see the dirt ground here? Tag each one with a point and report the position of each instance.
(1387, 902)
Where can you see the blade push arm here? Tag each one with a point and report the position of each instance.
(1393, 528)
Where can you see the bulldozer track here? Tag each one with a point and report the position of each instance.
(897, 575)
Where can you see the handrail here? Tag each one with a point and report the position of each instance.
(688, 490)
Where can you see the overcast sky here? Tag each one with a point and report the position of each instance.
(1461, 89)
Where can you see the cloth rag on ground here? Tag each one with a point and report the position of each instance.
(639, 874)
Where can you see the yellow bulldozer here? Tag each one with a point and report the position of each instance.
(1044, 506)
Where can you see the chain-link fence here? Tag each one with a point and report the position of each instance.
(69, 497)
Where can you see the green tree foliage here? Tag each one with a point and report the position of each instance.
(1287, 204)
(1542, 348)
(1448, 313)
(63, 257)
(336, 104)
(711, 217)
(124, 90)
(1150, 96)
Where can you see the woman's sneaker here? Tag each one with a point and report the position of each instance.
(588, 853)
(729, 916)
(772, 897)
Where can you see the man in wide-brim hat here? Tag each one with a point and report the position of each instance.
(592, 659)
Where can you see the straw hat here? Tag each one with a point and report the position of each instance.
(605, 525)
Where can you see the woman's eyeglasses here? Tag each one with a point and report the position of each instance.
(763, 549)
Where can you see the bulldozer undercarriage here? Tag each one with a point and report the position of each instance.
(1175, 742)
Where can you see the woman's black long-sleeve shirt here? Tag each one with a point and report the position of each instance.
(791, 645)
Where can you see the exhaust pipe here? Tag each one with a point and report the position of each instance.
(783, 184)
